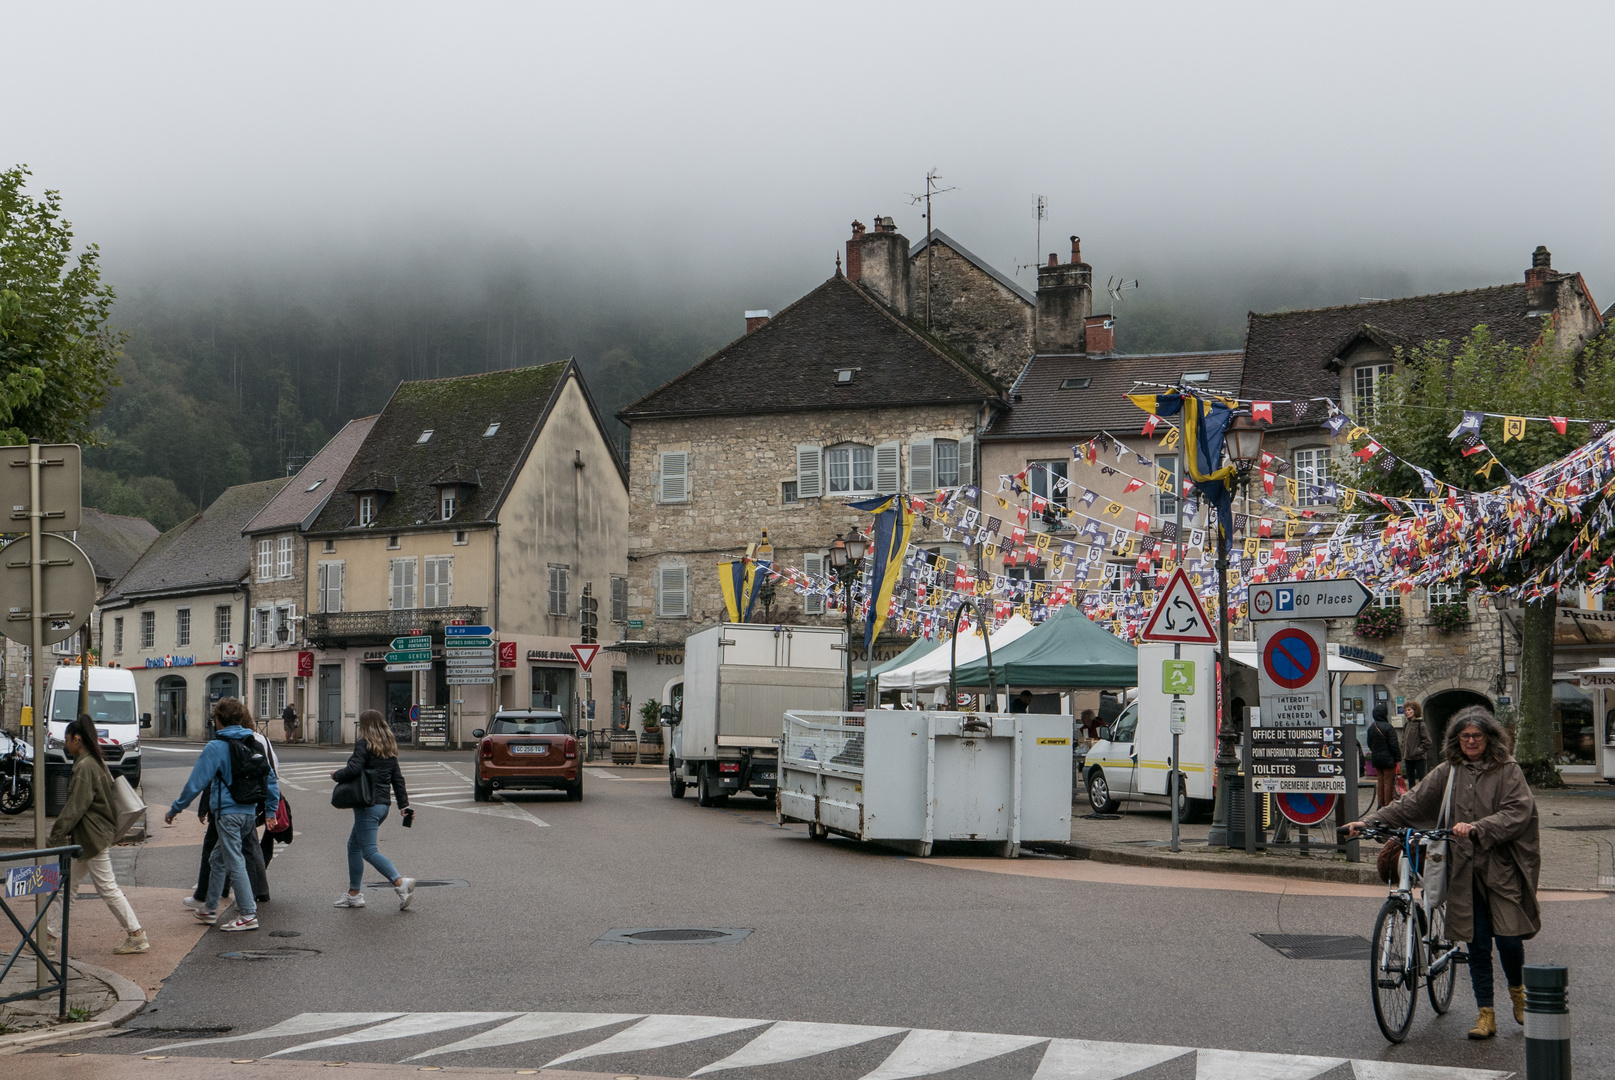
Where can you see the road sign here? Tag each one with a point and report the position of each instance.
(468, 642)
(60, 487)
(1305, 808)
(1178, 618)
(1332, 598)
(67, 580)
(467, 631)
(1292, 657)
(1178, 718)
(1177, 676)
(470, 662)
(414, 712)
(585, 654)
(468, 654)
(426, 666)
(1310, 760)
(470, 680)
(412, 656)
(414, 641)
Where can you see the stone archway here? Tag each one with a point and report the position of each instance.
(1438, 709)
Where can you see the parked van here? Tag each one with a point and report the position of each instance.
(114, 706)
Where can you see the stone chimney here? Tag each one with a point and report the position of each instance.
(754, 319)
(1064, 302)
(1099, 335)
(878, 260)
(1541, 271)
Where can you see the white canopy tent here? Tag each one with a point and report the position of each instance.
(932, 669)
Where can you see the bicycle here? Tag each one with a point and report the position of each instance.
(1410, 944)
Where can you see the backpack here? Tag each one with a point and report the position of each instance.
(249, 772)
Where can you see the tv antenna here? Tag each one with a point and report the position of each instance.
(1116, 287)
(1037, 254)
(931, 189)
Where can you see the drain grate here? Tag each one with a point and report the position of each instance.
(673, 935)
(1317, 946)
(279, 952)
(441, 883)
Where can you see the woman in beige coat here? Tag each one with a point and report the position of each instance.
(1492, 880)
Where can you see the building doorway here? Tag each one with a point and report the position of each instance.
(171, 707)
(400, 699)
(220, 686)
(552, 689)
(329, 731)
(1438, 709)
(619, 700)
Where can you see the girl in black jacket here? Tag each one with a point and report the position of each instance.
(1384, 751)
(374, 751)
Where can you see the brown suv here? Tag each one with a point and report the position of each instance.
(527, 748)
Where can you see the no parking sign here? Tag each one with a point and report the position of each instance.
(1294, 674)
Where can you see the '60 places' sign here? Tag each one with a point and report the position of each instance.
(1334, 598)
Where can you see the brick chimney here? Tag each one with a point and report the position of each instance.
(878, 260)
(1099, 335)
(1064, 302)
(1541, 271)
(754, 319)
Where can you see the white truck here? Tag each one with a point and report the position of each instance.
(739, 680)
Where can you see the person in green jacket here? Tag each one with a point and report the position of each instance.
(89, 820)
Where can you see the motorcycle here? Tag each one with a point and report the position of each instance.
(16, 775)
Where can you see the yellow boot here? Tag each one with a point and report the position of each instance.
(1517, 995)
(1485, 1025)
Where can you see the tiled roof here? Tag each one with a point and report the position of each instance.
(1040, 408)
(1287, 353)
(203, 552)
(299, 501)
(458, 412)
(981, 264)
(113, 541)
(789, 364)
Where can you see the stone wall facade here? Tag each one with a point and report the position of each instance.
(972, 311)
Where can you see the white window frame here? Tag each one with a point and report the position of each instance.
(1391, 598)
(437, 581)
(266, 559)
(1041, 479)
(328, 586)
(223, 616)
(403, 575)
(852, 452)
(117, 635)
(1365, 385)
(447, 503)
(284, 559)
(814, 563)
(673, 477)
(673, 591)
(367, 510)
(941, 474)
(182, 628)
(148, 629)
(559, 585)
(1445, 592)
(285, 619)
(1311, 470)
(1166, 498)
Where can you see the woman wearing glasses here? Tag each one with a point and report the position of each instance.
(1492, 883)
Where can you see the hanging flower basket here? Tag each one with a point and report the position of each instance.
(1379, 623)
(1449, 618)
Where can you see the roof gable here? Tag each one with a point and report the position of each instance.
(300, 501)
(979, 263)
(114, 542)
(790, 364)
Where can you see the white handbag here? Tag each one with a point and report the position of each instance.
(126, 806)
(1437, 853)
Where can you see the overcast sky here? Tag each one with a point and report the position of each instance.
(733, 144)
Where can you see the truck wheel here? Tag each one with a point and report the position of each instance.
(675, 781)
(1186, 805)
(1099, 793)
(707, 790)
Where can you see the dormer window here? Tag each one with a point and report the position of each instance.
(426, 436)
(447, 503)
(493, 429)
(315, 484)
(367, 510)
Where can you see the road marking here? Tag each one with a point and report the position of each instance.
(1078, 1059)
(1233, 1065)
(1395, 1070)
(302, 1024)
(601, 774)
(655, 1032)
(533, 1026)
(789, 1040)
(926, 1051)
(170, 749)
(406, 1026)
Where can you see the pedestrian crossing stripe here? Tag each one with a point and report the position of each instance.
(922, 1051)
(436, 785)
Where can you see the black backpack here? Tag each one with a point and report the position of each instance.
(249, 772)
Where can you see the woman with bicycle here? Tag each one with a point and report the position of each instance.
(1495, 858)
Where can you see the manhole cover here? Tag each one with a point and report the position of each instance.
(285, 933)
(448, 883)
(1317, 946)
(673, 935)
(279, 952)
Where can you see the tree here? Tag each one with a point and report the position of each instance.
(58, 356)
(1415, 414)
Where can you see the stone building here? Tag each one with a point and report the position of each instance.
(1343, 353)
(982, 313)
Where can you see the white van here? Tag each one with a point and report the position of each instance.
(114, 706)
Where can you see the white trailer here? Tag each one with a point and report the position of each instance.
(910, 779)
(739, 680)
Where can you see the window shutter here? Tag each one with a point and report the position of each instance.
(409, 584)
(252, 629)
(445, 582)
(319, 591)
(967, 461)
(814, 565)
(675, 476)
(675, 599)
(333, 597)
(888, 457)
(429, 584)
(921, 475)
(809, 472)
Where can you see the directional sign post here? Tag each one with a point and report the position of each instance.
(1178, 618)
(452, 632)
(1332, 598)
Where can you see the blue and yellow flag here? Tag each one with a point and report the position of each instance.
(888, 542)
(738, 579)
(1205, 427)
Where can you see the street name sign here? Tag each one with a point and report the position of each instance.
(470, 680)
(413, 656)
(1178, 618)
(1332, 598)
(1309, 760)
(470, 662)
(467, 631)
(468, 643)
(462, 654)
(426, 666)
(413, 641)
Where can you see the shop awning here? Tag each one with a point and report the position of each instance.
(920, 648)
(931, 670)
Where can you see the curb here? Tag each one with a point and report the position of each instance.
(131, 999)
(1348, 873)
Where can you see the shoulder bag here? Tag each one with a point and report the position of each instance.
(1437, 853)
(355, 792)
(126, 806)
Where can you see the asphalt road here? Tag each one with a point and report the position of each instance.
(840, 934)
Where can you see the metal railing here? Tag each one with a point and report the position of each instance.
(827, 741)
(325, 628)
(26, 881)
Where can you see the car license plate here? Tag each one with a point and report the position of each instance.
(765, 776)
(529, 749)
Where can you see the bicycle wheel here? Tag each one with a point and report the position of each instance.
(1393, 968)
(1439, 986)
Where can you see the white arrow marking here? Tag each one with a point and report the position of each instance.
(533, 1026)
(1076, 1059)
(1392, 1070)
(655, 1032)
(301, 1024)
(1237, 1065)
(925, 1052)
(789, 1040)
(402, 1028)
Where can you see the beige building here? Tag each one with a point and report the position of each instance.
(487, 500)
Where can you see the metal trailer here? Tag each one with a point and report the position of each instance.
(909, 779)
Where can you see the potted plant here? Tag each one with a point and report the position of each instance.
(650, 743)
(1378, 622)
(1449, 618)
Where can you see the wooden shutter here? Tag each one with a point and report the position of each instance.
(333, 586)
(809, 472)
(888, 458)
(675, 476)
(814, 565)
(675, 591)
(967, 461)
(921, 473)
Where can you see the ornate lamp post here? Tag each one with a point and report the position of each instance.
(1244, 448)
(846, 559)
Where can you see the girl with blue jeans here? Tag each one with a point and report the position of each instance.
(374, 751)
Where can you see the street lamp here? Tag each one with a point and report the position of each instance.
(846, 559)
(1243, 445)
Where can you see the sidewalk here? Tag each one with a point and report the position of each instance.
(97, 999)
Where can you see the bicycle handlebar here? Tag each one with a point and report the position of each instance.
(1381, 832)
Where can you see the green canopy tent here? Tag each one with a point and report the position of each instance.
(1066, 652)
(920, 648)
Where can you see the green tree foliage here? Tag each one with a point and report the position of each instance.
(58, 356)
(154, 498)
(1421, 404)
